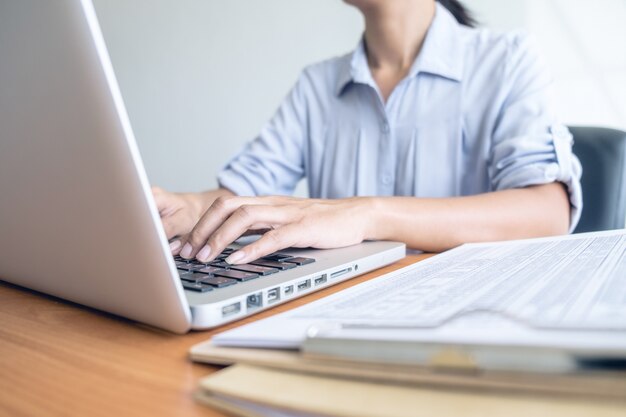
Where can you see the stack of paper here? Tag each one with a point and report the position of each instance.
(516, 322)
(449, 372)
(253, 391)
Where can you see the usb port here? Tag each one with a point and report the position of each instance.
(231, 309)
(320, 280)
(273, 295)
(340, 272)
(288, 290)
(254, 301)
(304, 285)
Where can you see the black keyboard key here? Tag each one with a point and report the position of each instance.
(182, 273)
(278, 257)
(300, 261)
(210, 270)
(197, 286)
(273, 264)
(219, 282)
(228, 251)
(192, 277)
(238, 275)
(192, 267)
(220, 264)
(255, 269)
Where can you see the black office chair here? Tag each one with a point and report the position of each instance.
(602, 153)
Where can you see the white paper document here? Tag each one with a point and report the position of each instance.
(565, 291)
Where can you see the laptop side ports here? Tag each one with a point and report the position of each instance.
(304, 285)
(320, 280)
(254, 301)
(231, 309)
(273, 295)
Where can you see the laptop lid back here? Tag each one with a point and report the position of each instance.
(76, 216)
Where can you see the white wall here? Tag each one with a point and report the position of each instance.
(584, 42)
(201, 76)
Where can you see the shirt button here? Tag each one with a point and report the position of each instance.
(385, 127)
(386, 179)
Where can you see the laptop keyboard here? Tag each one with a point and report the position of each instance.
(205, 277)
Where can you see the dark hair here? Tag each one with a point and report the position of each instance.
(460, 12)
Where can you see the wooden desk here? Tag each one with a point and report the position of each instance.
(59, 359)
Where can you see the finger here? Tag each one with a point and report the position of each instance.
(176, 245)
(272, 241)
(243, 219)
(214, 217)
(172, 226)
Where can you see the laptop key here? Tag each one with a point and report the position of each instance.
(273, 264)
(278, 257)
(192, 267)
(300, 261)
(255, 269)
(192, 277)
(210, 270)
(197, 286)
(238, 275)
(219, 282)
(183, 273)
(220, 264)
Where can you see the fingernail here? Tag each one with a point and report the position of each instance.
(204, 253)
(186, 252)
(235, 257)
(175, 245)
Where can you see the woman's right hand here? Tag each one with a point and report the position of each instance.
(181, 211)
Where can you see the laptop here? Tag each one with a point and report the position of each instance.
(77, 218)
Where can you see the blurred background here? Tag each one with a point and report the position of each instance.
(200, 77)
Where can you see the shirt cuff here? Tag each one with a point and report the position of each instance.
(236, 183)
(563, 167)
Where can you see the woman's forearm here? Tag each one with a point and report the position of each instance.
(442, 223)
(427, 224)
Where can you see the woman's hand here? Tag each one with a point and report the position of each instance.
(181, 211)
(285, 221)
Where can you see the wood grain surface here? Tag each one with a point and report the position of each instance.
(61, 359)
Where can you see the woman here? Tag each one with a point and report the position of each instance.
(431, 132)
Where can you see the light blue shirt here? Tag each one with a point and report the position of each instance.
(473, 115)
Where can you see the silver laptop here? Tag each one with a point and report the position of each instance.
(77, 219)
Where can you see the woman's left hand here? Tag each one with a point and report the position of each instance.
(284, 221)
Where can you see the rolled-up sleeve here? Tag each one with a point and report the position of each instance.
(530, 145)
(273, 162)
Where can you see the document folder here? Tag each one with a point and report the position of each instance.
(254, 391)
(446, 373)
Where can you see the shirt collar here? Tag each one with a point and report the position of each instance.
(441, 54)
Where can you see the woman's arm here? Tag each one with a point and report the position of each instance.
(435, 225)
(426, 224)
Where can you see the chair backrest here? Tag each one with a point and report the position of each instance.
(602, 153)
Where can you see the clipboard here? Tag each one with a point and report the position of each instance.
(443, 373)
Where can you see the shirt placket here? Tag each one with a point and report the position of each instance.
(386, 156)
